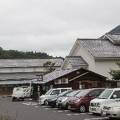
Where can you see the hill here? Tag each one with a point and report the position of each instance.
(15, 54)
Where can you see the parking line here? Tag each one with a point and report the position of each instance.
(60, 111)
(69, 114)
(36, 106)
(66, 110)
(98, 118)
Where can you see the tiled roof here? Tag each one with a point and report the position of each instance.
(28, 62)
(76, 61)
(56, 74)
(115, 31)
(101, 48)
(115, 39)
(14, 82)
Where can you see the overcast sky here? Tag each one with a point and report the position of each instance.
(52, 26)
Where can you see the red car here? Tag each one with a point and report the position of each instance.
(82, 100)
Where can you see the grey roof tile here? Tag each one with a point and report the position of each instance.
(56, 74)
(28, 62)
(115, 39)
(101, 48)
(115, 31)
(76, 61)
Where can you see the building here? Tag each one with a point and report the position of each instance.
(15, 72)
(97, 55)
(76, 79)
(89, 63)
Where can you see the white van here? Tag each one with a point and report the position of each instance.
(51, 94)
(107, 96)
(21, 92)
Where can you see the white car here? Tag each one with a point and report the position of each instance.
(52, 93)
(108, 96)
(21, 92)
(112, 110)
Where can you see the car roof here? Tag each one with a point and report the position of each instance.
(112, 88)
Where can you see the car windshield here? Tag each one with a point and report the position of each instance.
(48, 92)
(83, 93)
(105, 94)
(72, 94)
(65, 93)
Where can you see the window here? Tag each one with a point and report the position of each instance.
(57, 82)
(64, 81)
(105, 94)
(95, 93)
(55, 92)
(117, 94)
(63, 90)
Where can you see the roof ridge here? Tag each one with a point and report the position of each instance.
(115, 31)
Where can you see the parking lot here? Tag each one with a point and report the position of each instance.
(29, 110)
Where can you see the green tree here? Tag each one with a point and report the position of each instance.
(49, 66)
(15, 54)
(115, 73)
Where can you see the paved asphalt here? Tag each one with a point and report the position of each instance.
(27, 110)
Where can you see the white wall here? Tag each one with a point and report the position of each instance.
(103, 67)
(86, 55)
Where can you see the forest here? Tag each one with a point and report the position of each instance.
(15, 54)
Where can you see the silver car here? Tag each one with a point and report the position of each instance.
(62, 102)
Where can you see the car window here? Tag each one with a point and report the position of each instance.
(73, 93)
(116, 94)
(63, 90)
(105, 94)
(55, 92)
(95, 93)
(48, 92)
(83, 93)
(65, 93)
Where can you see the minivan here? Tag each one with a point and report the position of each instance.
(20, 93)
(107, 97)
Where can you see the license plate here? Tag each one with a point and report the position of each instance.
(93, 109)
(103, 113)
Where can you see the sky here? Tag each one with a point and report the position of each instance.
(52, 26)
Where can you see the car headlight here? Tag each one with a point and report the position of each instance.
(64, 99)
(98, 104)
(77, 100)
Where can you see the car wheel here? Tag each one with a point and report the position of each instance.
(22, 99)
(13, 99)
(82, 108)
(46, 102)
(66, 107)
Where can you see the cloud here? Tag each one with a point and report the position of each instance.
(52, 26)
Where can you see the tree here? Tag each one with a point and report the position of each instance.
(49, 66)
(15, 54)
(115, 73)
